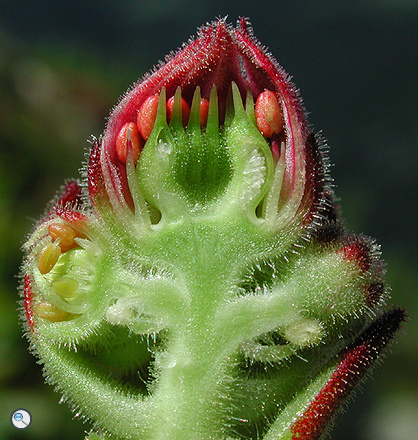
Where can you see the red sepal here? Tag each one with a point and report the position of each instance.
(355, 362)
(27, 301)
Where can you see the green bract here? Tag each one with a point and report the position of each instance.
(205, 287)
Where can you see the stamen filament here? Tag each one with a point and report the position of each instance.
(195, 113)
(212, 126)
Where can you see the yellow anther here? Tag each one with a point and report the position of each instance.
(48, 257)
(50, 312)
(65, 287)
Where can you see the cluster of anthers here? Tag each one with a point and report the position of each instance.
(64, 259)
(132, 136)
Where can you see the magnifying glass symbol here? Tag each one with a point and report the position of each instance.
(21, 419)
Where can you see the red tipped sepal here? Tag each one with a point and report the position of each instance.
(354, 362)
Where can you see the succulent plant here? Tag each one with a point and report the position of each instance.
(198, 283)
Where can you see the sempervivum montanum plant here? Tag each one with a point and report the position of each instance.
(199, 284)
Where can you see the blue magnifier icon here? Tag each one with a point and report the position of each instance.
(21, 419)
(18, 417)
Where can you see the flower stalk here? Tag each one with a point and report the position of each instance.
(200, 284)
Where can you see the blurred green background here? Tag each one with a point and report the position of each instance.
(63, 66)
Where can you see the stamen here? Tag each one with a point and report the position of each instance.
(50, 312)
(177, 110)
(249, 106)
(212, 126)
(65, 235)
(65, 287)
(195, 119)
(161, 117)
(48, 257)
(147, 115)
(204, 109)
(128, 138)
(229, 108)
(236, 96)
(268, 114)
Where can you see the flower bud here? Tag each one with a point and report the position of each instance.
(200, 282)
(278, 178)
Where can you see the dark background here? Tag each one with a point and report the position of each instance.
(63, 66)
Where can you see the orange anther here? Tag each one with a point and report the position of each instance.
(48, 257)
(65, 233)
(146, 116)
(204, 110)
(128, 136)
(268, 114)
(185, 110)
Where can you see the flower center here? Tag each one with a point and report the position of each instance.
(266, 114)
(198, 158)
